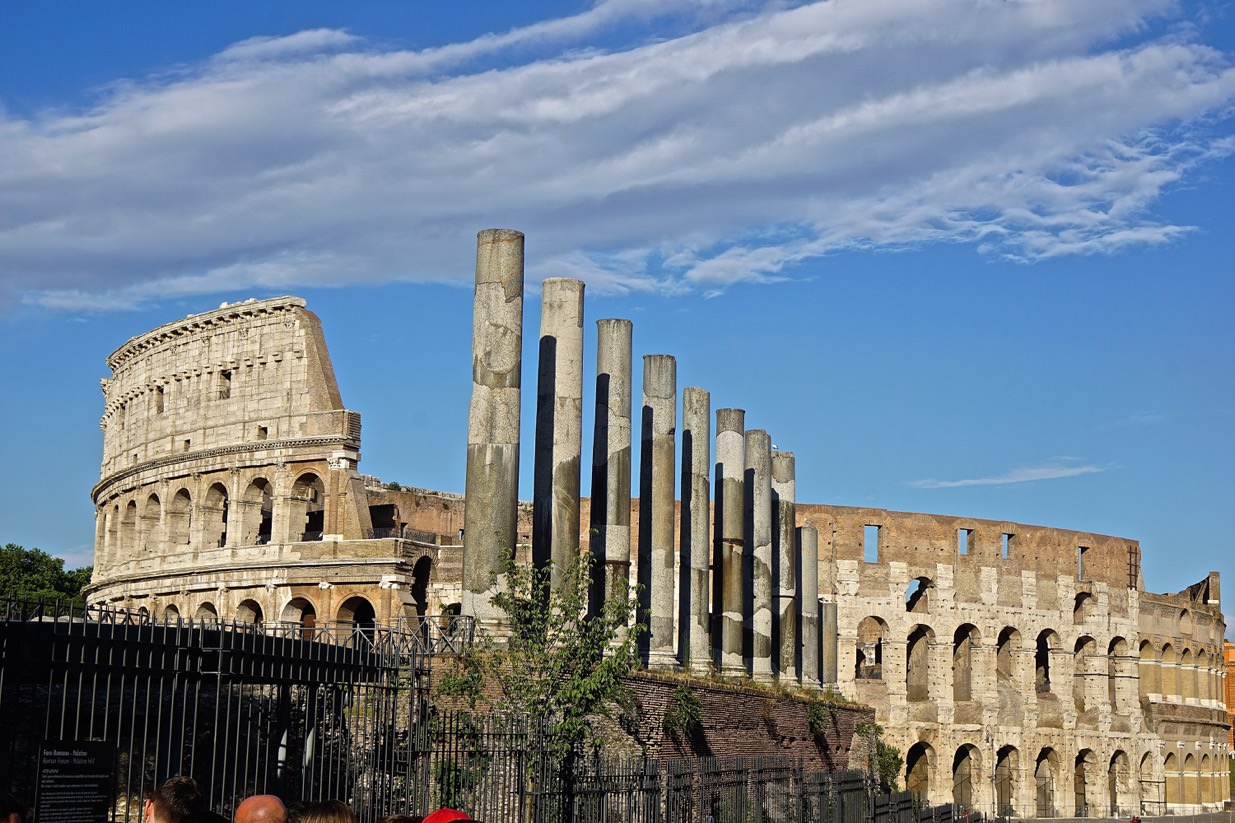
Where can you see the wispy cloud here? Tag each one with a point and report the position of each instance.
(1026, 474)
(716, 143)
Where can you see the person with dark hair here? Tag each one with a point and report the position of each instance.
(10, 810)
(327, 811)
(203, 816)
(403, 818)
(175, 798)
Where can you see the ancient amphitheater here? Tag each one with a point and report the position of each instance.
(1020, 669)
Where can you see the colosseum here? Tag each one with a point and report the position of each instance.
(1020, 670)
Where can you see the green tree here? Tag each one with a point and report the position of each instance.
(883, 760)
(555, 665)
(33, 574)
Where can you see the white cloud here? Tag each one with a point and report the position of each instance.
(1025, 474)
(750, 138)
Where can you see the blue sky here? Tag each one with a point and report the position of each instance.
(962, 257)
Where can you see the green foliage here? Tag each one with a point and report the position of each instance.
(818, 717)
(556, 665)
(684, 713)
(393, 486)
(33, 574)
(883, 760)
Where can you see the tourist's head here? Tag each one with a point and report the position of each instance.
(11, 811)
(327, 811)
(261, 808)
(175, 798)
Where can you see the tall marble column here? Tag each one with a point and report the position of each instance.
(785, 545)
(695, 542)
(759, 547)
(730, 505)
(559, 426)
(657, 503)
(808, 604)
(492, 483)
(610, 513)
(831, 639)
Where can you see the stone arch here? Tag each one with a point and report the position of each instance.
(1146, 671)
(1205, 791)
(1047, 642)
(919, 763)
(1119, 785)
(128, 527)
(214, 517)
(357, 612)
(1009, 641)
(1007, 766)
(1082, 657)
(257, 512)
(152, 524)
(1205, 678)
(1174, 779)
(868, 656)
(1190, 785)
(1185, 623)
(966, 775)
(1152, 788)
(917, 662)
(964, 648)
(1169, 671)
(1116, 651)
(111, 531)
(1082, 607)
(1045, 769)
(180, 519)
(307, 508)
(1084, 773)
(1187, 675)
(170, 613)
(206, 613)
(917, 598)
(249, 611)
(422, 573)
(302, 611)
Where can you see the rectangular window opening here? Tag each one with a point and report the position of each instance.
(262, 432)
(158, 399)
(964, 539)
(225, 384)
(1080, 562)
(870, 544)
(187, 444)
(1005, 545)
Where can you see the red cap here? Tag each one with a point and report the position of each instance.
(444, 815)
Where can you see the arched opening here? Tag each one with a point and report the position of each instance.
(1204, 679)
(868, 657)
(1081, 607)
(1082, 657)
(258, 512)
(917, 663)
(1174, 780)
(964, 642)
(1009, 641)
(1082, 775)
(1007, 764)
(1146, 672)
(1152, 796)
(1118, 785)
(1169, 673)
(1185, 623)
(1191, 784)
(358, 613)
(1116, 653)
(1044, 782)
(421, 574)
(152, 524)
(112, 531)
(306, 512)
(1187, 676)
(1205, 789)
(916, 599)
(206, 613)
(300, 610)
(965, 767)
(171, 614)
(1047, 641)
(214, 517)
(249, 611)
(180, 519)
(918, 771)
(128, 527)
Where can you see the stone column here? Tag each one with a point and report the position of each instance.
(492, 484)
(610, 513)
(730, 500)
(656, 503)
(559, 426)
(696, 644)
(784, 554)
(830, 638)
(759, 547)
(808, 603)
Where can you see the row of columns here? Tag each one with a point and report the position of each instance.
(749, 557)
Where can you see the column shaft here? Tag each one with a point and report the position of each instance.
(657, 502)
(808, 603)
(559, 426)
(610, 514)
(696, 528)
(492, 483)
(785, 553)
(759, 548)
(730, 501)
(830, 638)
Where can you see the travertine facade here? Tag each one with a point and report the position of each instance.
(1019, 669)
